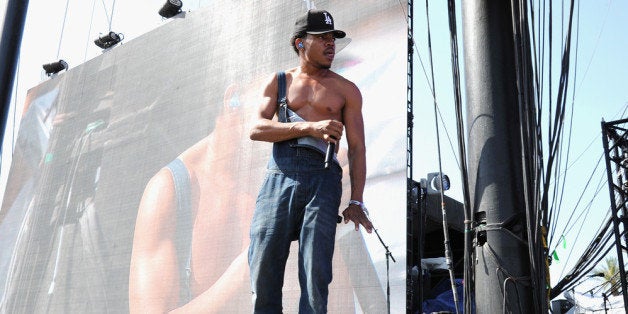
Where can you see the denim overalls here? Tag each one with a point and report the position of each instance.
(299, 200)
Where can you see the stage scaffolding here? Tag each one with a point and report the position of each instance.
(615, 140)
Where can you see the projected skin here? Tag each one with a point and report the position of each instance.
(299, 199)
(219, 235)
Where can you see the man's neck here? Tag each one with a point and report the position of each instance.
(313, 71)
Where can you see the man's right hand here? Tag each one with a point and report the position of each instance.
(329, 130)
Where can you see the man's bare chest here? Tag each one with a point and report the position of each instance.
(315, 103)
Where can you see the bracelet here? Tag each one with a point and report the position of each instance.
(354, 202)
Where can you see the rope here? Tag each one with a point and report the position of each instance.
(111, 17)
(65, 15)
(104, 6)
(89, 32)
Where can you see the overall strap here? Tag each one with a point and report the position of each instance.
(282, 102)
(183, 237)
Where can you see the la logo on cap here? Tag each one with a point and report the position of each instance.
(328, 20)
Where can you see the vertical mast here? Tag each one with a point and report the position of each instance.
(502, 273)
(10, 41)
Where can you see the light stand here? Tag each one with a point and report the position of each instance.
(388, 255)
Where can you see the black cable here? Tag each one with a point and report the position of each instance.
(448, 257)
(613, 286)
(585, 269)
(569, 224)
(556, 132)
(588, 209)
(573, 211)
(525, 105)
(468, 277)
(594, 249)
(573, 96)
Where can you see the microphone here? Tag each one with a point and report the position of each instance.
(329, 155)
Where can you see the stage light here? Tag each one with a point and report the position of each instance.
(171, 8)
(55, 67)
(439, 184)
(436, 184)
(109, 40)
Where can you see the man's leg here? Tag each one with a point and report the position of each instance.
(316, 244)
(270, 245)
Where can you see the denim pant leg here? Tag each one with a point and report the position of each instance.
(317, 239)
(270, 244)
(298, 200)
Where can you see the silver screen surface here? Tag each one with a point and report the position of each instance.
(76, 233)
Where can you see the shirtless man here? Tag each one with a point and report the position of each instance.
(191, 235)
(299, 198)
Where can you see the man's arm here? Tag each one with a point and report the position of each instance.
(154, 277)
(354, 126)
(269, 129)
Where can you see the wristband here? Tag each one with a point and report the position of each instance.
(354, 202)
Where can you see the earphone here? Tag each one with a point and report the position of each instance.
(300, 45)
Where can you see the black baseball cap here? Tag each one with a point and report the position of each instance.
(317, 22)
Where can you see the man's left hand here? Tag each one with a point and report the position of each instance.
(358, 216)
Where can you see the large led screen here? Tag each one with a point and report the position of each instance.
(167, 116)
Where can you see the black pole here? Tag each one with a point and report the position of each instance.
(414, 290)
(502, 274)
(10, 42)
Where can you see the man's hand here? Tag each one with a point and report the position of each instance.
(329, 130)
(355, 213)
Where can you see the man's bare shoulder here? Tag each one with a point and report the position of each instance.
(271, 81)
(346, 86)
(290, 73)
(333, 82)
(342, 82)
(330, 75)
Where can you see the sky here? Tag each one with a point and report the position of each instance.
(600, 93)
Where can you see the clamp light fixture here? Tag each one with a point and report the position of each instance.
(171, 8)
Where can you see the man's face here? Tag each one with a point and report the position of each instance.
(321, 49)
